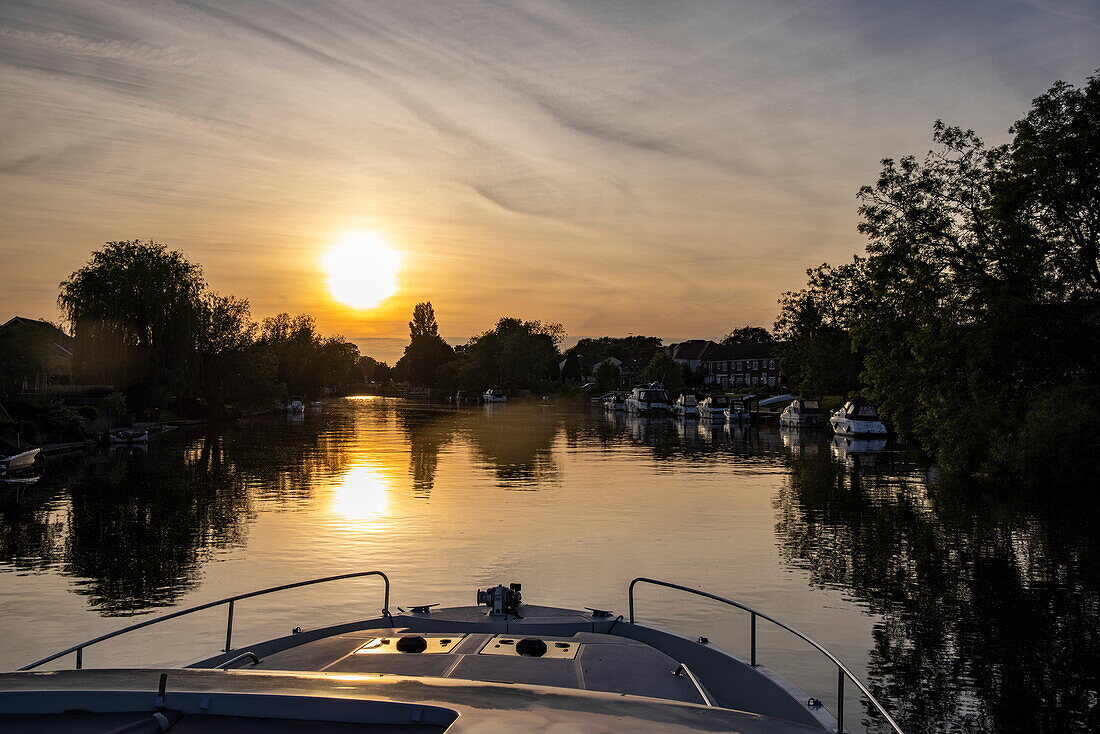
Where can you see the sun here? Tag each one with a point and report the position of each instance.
(362, 269)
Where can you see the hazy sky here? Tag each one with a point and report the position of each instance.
(664, 168)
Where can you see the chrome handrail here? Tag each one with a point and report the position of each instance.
(707, 700)
(842, 669)
(230, 600)
(246, 654)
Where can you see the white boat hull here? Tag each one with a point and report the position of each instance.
(850, 427)
(20, 461)
(639, 406)
(799, 421)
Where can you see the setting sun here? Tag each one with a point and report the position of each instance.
(362, 269)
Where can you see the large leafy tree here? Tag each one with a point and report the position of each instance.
(979, 300)
(134, 309)
(814, 325)
(515, 354)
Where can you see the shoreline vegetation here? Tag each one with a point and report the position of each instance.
(972, 319)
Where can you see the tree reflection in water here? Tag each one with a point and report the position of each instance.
(989, 597)
(517, 441)
(136, 527)
(428, 432)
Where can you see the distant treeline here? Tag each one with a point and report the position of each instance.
(973, 320)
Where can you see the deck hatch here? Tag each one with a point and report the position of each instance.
(429, 644)
(530, 647)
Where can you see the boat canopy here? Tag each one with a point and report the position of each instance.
(860, 409)
(777, 399)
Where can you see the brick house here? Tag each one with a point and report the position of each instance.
(737, 365)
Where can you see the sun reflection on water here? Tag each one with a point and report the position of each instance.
(361, 497)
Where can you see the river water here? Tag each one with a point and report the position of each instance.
(965, 608)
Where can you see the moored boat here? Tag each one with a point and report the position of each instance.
(713, 407)
(614, 402)
(686, 406)
(651, 398)
(501, 665)
(802, 413)
(494, 395)
(128, 435)
(19, 460)
(857, 418)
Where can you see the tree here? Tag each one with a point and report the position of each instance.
(371, 370)
(981, 290)
(664, 369)
(515, 354)
(606, 374)
(748, 335)
(592, 351)
(815, 326)
(133, 308)
(295, 345)
(423, 321)
(427, 352)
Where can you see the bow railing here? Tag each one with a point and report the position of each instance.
(842, 669)
(230, 601)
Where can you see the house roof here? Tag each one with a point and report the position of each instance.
(691, 349)
(44, 328)
(722, 352)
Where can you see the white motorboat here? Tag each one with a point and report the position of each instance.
(128, 435)
(651, 398)
(501, 665)
(20, 460)
(713, 407)
(686, 406)
(316, 404)
(802, 413)
(857, 418)
(494, 395)
(614, 402)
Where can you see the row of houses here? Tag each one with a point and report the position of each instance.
(756, 365)
(731, 365)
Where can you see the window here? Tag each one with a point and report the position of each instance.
(771, 364)
(755, 365)
(738, 367)
(740, 379)
(771, 381)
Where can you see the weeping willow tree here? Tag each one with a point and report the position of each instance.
(134, 309)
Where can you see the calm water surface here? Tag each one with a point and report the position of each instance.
(965, 609)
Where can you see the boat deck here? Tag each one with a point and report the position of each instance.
(585, 661)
